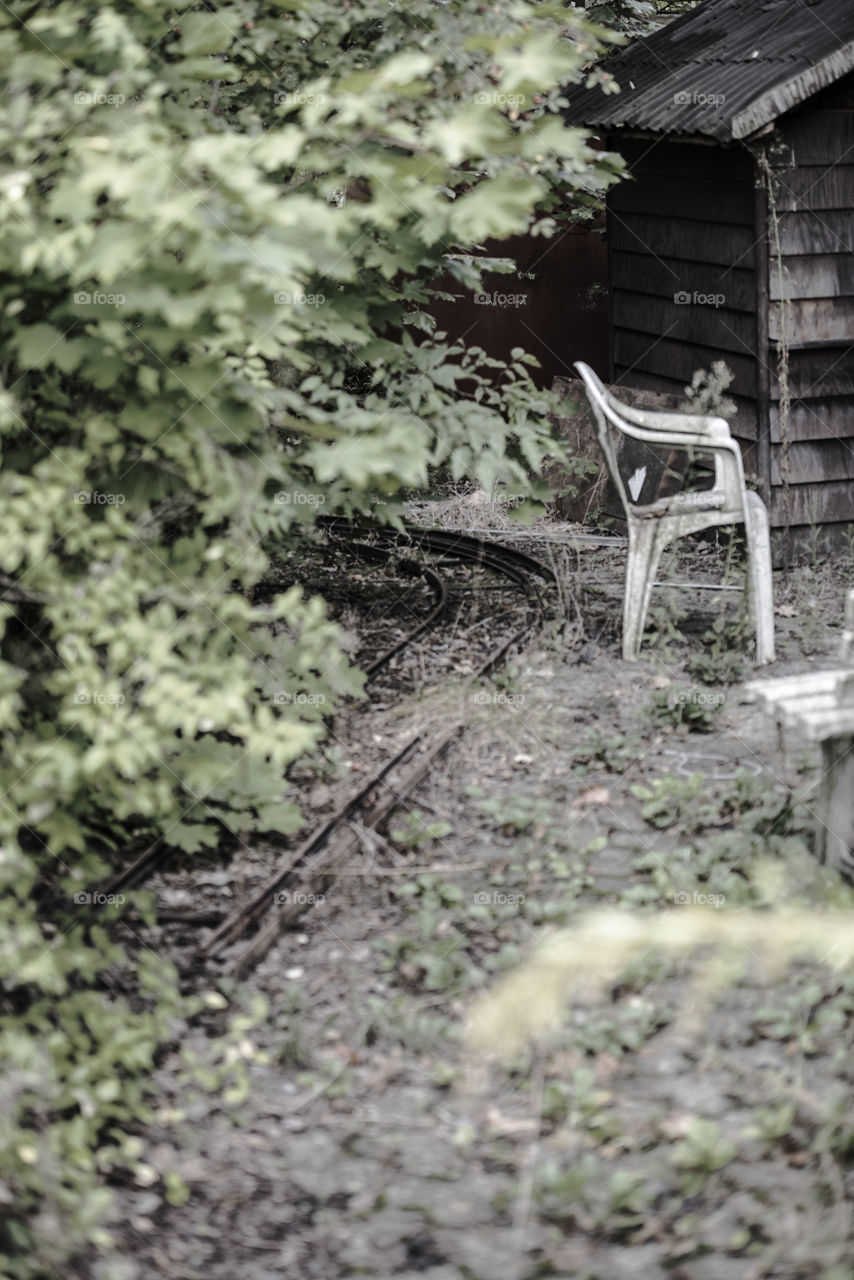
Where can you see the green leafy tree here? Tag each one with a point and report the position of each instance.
(212, 221)
(220, 231)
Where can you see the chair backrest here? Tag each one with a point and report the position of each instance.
(605, 420)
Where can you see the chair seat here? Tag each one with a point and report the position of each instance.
(680, 504)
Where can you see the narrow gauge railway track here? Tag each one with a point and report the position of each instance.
(307, 869)
(514, 569)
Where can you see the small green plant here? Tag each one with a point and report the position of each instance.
(848, 536)
(673, 799)
(290, 1047)
(745, 804)
(397, 1022)
(430, 893)
(415, 830)
(434, 965)
(629, 1197)
(506, 678)
(810, 1017)
(515, 814)
(663, 618)
(619, 1029)
(616, 751)
(726, 666)
(723, 659)
(562, 1191)
(705, 395)
(774, 1123)
(701, 1152)
(331, 1079)
(816, 536)
(693, 707)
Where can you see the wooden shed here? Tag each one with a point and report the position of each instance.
(733, 239)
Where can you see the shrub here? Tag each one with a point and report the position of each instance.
(220, 228)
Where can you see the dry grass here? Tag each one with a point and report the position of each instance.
(464, 512)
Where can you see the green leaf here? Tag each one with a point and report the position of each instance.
(193, 836)
(37, 345)
(205, 32)
(497, 207)
(284, 818)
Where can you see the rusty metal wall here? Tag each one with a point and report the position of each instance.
(555, 305)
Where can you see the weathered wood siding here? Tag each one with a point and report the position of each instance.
(688, 281)
(682, 270)
(814, 279)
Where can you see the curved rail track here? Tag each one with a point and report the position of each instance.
(305, 870)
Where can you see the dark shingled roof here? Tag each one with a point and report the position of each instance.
(725, 69)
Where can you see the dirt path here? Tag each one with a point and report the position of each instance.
(631, 1143)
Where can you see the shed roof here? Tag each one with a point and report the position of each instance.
(724, 69)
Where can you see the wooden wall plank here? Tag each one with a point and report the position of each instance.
(815, 462)
(818, 138)
(819, 276)
(665, 277)
(816, 419)
(728, 245)
(804, 232)
(817, 374)
(817, 188)
(679, 360)
(685, 159)
(699, 323)
(814, 503)
(700, 199)
(813, 320)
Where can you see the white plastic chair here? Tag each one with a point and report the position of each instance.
(653, 526)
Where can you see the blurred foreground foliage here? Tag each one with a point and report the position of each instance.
(221, 226)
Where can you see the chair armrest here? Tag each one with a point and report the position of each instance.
(691, 424)
(653, 419)
(684, 440)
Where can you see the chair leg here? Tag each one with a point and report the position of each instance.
(645, 547)
(835, 830)
(759, 576)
